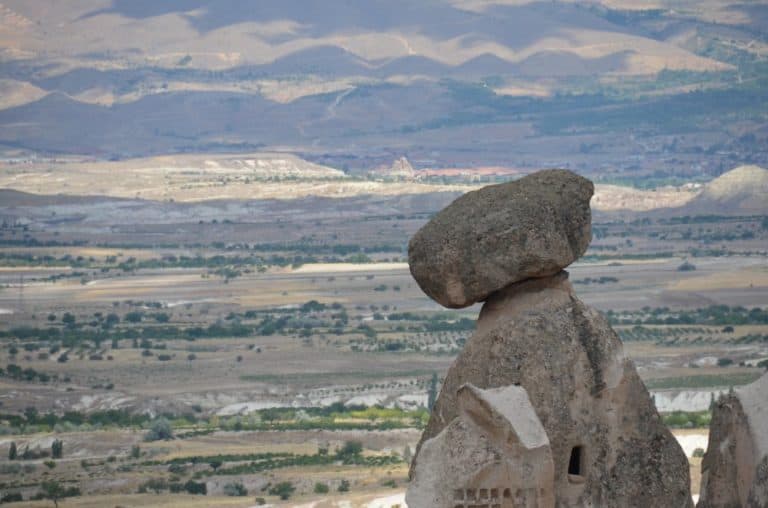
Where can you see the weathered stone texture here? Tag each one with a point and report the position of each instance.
(538, 335)
(501, 234)
(735, 467)
(494, 454)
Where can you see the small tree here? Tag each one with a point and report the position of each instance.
(52, 490)
(407, 454)
(135, 451)
(350, 449)
(283, 490)
(215, 464)
(134, 317)
(235, 489)
(344, 486)
(69, 319)
(196, 488)
(57, 449)
(156, 485)
(13, 452)
(724, 362)
(432, 393)
(159, 430)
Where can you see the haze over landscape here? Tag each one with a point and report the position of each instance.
(205, 210)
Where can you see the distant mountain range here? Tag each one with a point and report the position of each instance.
(589, 85)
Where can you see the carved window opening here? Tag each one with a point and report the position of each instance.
(576, 462)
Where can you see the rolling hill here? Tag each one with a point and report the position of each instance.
(742, 190)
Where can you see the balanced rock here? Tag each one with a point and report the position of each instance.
(609, 446)
(495, 453)
(734, 471)
(501, 234)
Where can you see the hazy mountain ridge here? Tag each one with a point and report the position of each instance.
(461, 82)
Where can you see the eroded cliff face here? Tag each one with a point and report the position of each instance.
(609, 446)
(735, 466)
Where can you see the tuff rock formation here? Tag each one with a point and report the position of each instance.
(609, 447)
(501, 234)
(735, 467)
(495, 453)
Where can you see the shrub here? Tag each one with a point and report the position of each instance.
(177, 468)
(134, 317)
(159, 430)
(321, 488)
(11, 497)
(283, 490)
(156, 485)
(344, 486)
(11, 469)
(724, 362)
(698, 452)
(235, 489)
(196, 488)
(57, 448)
(350, 449)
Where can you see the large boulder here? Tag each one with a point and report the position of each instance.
(495, 453)
(501, 234)
(609, 445)
(734, 472)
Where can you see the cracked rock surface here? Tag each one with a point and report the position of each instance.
(501, 234)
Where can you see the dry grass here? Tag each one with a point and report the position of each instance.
(752, 277)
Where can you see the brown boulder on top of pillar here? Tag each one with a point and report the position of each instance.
(609, 445)
(490, 238)
(734, 471)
